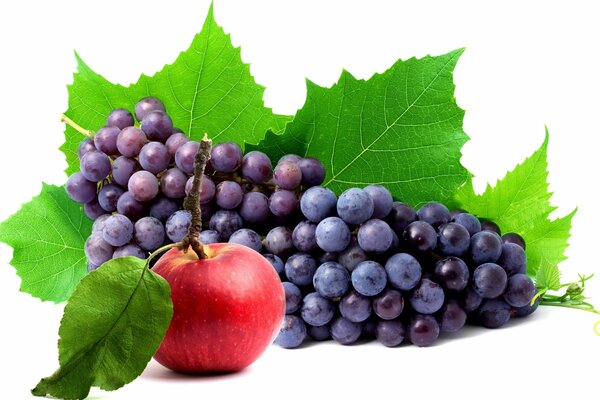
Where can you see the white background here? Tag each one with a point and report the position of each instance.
(527, 64)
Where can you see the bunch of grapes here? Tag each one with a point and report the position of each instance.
(361, 265)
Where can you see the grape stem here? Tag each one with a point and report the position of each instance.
(192, 201)
(85, 132)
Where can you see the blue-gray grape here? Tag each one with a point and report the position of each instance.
(318, 203)
(344, 331)
(246, 237)
(403, 270)
(108, 197)
(279, 241)
(118, 230)
(355, 307)
(489, 280)
(225, 222)
(304, 236)
(177, 225)
(486, 247)
(275, 261)
(427, 298)
(434, 214)
(332, 234)
(453, 239)
(382, 200)
(292, 332)
(513, 259)
(129, 250)
(209, 237)
(520, 290)
(369, 278)
(375, 236)
(226, 157)
(390, 333)
(293, 297)
(300, 269)
(317, 310)
(331, 280)
(355, 206)
(149, 233)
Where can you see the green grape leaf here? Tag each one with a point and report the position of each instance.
(547, 276)
(520, 203)
(112, 325)
(47, 236)
(208, 89)
(401, 128)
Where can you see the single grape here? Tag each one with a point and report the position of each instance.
(331, 280)
(313, 171)
(452, 273)
(452, 317)
(382, 200)
(355, 307)
(143, 186)
(389, 304)
(319, 333)
(162, 208)
(400, 216)
(279, 241)
(172, 183)
(209, 237)
(177, 225)
(185, 156)
(520, 289)
(293, 297)
(420, 236)
(453, 239)
(80, 189)
(375, 236)
(95, 166)
(122, 169)
(525, 311)
(369, 278)
(514, 238)
(207, 188)
(105, 140)
(149, 233)
(174, 142)
(108, 197)
(292, 332)
(317, 310)
(228, 195)
(390, 333)
(247, 237)
(147, 105)
(489, 280)
(154, 157)
(283, 203)
(300, 269)
(486, 247)
(513, 259)
(225, 222)
(130, 141)
(226, 157)
(256, 167)
(352, 256)
(98, 224)
(403, 270)
(490, 226)
(118, 230)
(254, 207)
(427, 298)
(303, 236)
(344, 331)
(294, 158)
(287, 175)
(92, 267)
(469, 221)
(275, 261)
(129, 250)
(493, 313)
(93, 210)
(86, 145)
(97, 250)
(423, 330)
(355, 206)
(470, 300)
(157, 126)
(434, 214)
(332, 234)
(318, 203)
(120, 118)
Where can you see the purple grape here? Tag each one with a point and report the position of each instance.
(95, 166)
(86, 145)
(120, 118)
(423, 330)
(520, 289)
(332, 234)
(403, 270)
(157, 126)
(162, 207)
(434, 214)
(375, 236)
(352, 256)
(470, 300)
(293, 158)
(283, 203)
(123, 168)
(300, 269)
(275, 261)
(453, 239)
(382, 200)
(154, 157)
(390, 333)
(369, 278)
(304, 237)
(97, 250)
(185, 156)
(493, 313)
(490, 226)
(331, 280)
(130, 141)
(489, 280)
(247, 237)
(108, 197)
(178, 224)
(92, 267)
(98, 224)
(389, 304)
(344, 331)
(143, 186)
(172, 183)
(292, 332)
(355, 206)
(293, 297)
(130, 207)
(279, 241)
(254, 207)
(355, 307)
(93, 210)
(225, 222)
(228, 195)
(174, 142)
(105, 140)
(318, 203)
(452, 317)
(149, 233)
(420, 236)
(147, 105)
(209, 237)
(317, 310)
(129, 250)
(287, 175)
(313, 171)
(118, 230)
(486, 247)
(319, 333)
(514, 238)
(452, 273)
(427, 298)
(469, 221)
(400, 216)
(513, 259)
(80, 189)
(226, 157)
(256, 167)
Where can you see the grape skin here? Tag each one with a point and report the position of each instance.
(108, 197)
(300, 269)
(279, 241)
(226, 157)
(105, 140)
(123, 168)
(157, 126)
(403, 270)
(489, 280)
(355, 307)
(316, 310)
(375, 236)
(120, 118)
(254, 207)
(382, 200)
(208, 237)
(246, 237)
(420, 236)
(332, 234)
(225, 222)
(513, 259)
(400, 216)
(80, 189)
(143, 186)
(344, 331)
(97, 250)
(172, 183)
(178, 224)
(390, 333)
(486, 247)
(147, 105)
(275, 261)
(313, 171)
(304, 236)
(256, 167)
(520, 289)
(369, 278)
(292, 332)
(118, 230)
(149, 233)
(228, 195)
(93, 210)
(331, 280)
(185, 155)
(287, 175)
(129, 250)
(427, 298)
(434, 214)
(174, 142)
(355, 206)
(423, 330)
(130, 141)
(293, 297)
(318, 203)
(95, 166)
(154, 157)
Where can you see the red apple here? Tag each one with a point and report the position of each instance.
(227, 308)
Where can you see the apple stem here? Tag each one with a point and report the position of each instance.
(85, 132)
(192, 201)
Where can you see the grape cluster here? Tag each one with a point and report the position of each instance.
(365, 266)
